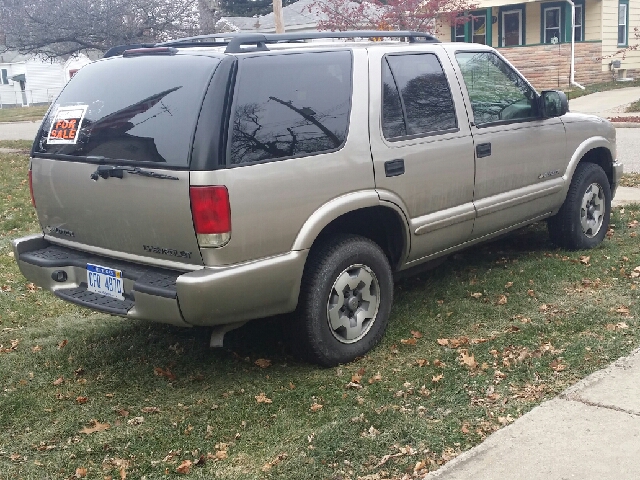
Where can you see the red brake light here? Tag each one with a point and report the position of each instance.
(211, 215)
(33, 200)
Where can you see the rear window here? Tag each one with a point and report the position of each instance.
(291, 105)
(141, 109)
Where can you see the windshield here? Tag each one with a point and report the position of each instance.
(141, 109)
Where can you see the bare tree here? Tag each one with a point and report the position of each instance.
(54, 28)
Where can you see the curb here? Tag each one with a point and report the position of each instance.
(626, 124)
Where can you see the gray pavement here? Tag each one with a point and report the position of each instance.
(591, 431)
(628, 145)
(606, 104)
(19, 130)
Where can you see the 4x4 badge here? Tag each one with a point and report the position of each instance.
(552, 173)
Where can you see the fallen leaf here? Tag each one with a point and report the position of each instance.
(185, 467)
(409, 341)
(416, 334)
(502, 300)
(263, 363)
(62, 344)
(421, 362)
(201, 461)
(35, 349)
(262, 398)
(96, 426)
(438, 363)
(355, 378)
(123, 413)
(291, 386)
(443, 341)
(164, 373)
(58, 381)
(584, 259)
(376, 378)
(315, 407)
(80, 400)
(476, 295)
(150, 410)
(135, 421)
(465, 428)
(556, 366)
(81, 472)
(468, 360)
(279, 458)
(509, 285)
(437, 378)
(31, 287)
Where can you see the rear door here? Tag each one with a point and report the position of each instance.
(421, 145)
(110, 166)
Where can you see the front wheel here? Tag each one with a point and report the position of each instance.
(583, 219)
(345, 301)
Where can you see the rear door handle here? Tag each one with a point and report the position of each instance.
(483, 150)
(393, 168)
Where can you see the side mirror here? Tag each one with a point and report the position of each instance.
(553, 103)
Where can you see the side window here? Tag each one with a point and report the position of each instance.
(290, 105)
(416, 96)
(497, 93)
(5, 79)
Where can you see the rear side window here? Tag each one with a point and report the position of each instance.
(141, 109)
(290, 105)
(416, 99)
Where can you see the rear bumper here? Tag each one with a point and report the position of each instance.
(209, 296)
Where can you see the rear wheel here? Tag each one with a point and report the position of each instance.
(345, 301)
(583, 219)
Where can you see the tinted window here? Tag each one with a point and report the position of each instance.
(139, 109)
(497, 93)
(290, 105)
(425, 96)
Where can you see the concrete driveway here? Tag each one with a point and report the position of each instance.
(19, 130)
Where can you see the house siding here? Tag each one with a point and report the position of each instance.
(631, 59)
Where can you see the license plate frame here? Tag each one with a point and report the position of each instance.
(105, 281)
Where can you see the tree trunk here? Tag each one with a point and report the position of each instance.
(277, 13)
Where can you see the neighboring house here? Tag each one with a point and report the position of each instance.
(536, 37)
(28, 80)
(297, 18)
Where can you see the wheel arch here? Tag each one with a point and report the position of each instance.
(364, 214)
(593, 150)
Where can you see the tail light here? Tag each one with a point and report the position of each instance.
(33, 200)
(211, 215)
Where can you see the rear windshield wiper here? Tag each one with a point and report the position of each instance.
(107, 171)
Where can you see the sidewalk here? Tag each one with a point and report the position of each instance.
(611, 103)
(591, 431)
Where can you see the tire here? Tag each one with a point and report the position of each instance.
(345, 301)
(583, 220)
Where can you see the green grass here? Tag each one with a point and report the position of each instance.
(565, 316)
(599, 87)
(16, 144)
(634, 107)
(630, 180)
(20, 114)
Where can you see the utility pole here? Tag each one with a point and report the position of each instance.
(277, 13)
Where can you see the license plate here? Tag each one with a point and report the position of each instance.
(105, 281)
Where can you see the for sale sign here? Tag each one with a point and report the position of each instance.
(66, 124)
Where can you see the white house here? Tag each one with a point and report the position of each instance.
(297, 18)
(29, 80)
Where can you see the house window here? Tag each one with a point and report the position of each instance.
(551, 18)
(578, 31)
(512, 27)
(623, 13)
(5, 77)
(479, 25)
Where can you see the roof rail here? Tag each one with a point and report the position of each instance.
(235, 41)
(119, 50)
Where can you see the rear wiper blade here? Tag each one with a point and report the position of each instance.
(108, 171)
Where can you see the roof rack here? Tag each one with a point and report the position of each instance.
(235, 41)
(119, 50)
